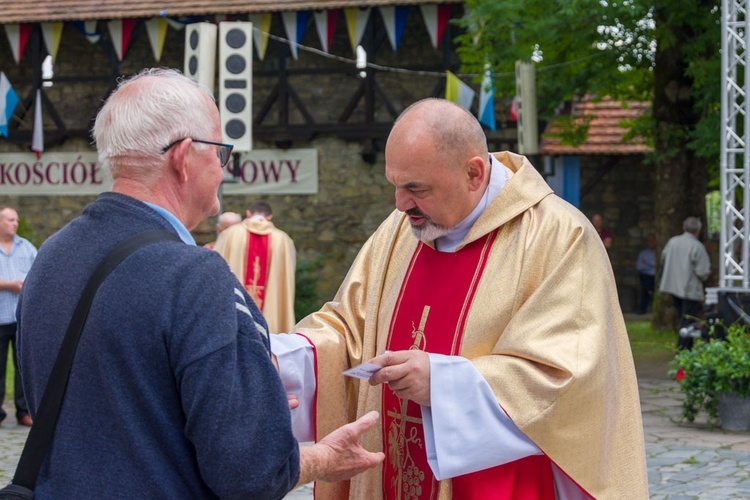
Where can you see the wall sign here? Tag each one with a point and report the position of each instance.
(263, 171)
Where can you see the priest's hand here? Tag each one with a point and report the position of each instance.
(339, 456)
(407, 373)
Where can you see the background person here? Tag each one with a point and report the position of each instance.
(16, 257)
(497, 302)
(264, 259)
(226, 219)
(685, 266)
(172, 393)
(646, 267)
(605, 234)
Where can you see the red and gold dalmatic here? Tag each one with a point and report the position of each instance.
(528, 297)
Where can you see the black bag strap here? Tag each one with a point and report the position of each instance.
(40, 436)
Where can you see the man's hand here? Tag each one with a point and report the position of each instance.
(339, 456)
(407, 373)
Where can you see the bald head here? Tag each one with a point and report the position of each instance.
(436, 157)
(227, 219)
(453, 132)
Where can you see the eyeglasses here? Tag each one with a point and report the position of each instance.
(223, 153)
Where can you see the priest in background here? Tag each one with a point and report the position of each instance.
(264, 259)
(486, 307)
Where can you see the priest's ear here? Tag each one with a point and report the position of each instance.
(478, 172)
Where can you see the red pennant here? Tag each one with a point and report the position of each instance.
(443, 16)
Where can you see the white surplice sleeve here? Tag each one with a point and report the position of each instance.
(296, 360)
(465, 429)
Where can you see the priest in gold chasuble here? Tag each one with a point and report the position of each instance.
(491, 305)
(264, 260)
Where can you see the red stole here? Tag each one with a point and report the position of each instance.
(429, 315)
(256, 266)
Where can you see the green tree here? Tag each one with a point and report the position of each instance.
(666, 52)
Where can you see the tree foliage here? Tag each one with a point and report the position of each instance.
(606, 48)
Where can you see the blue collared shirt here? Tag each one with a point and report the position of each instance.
(14, 266)
(178, 226)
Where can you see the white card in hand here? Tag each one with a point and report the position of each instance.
(363, 371)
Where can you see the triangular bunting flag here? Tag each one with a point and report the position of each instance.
(487, 100)
(37, 139)
(261, 29)
(52, 33)
(88, 29)
(458, 92)
(514, 109)
(356, 22)
(156, 27)
(120, 31)
(325, 22)
(8, 103)
(436, 19)
(295, 24)
(394, 18)
(18, 35)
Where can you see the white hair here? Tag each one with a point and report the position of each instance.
(135, 124)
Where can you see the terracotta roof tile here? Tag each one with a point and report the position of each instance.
(605, 132)
(34, 11)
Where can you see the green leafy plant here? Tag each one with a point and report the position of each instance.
(711, 368)
(25, 230)
(306, 297)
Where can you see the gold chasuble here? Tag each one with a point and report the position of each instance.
(529, 298)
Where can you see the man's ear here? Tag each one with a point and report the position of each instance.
(478, 170)
(180, 159)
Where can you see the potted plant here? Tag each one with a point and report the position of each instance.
(715, 377)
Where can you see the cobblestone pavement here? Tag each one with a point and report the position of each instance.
(685, 461)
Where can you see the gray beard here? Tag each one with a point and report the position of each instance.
(429, 232)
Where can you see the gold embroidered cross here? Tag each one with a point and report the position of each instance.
(420, 341)
(253, 288)
(398, 442)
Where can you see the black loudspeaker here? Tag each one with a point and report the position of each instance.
(200, 53)
(236, 83)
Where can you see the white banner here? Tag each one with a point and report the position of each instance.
(52, 174)
(265, 171)
(276, 171)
